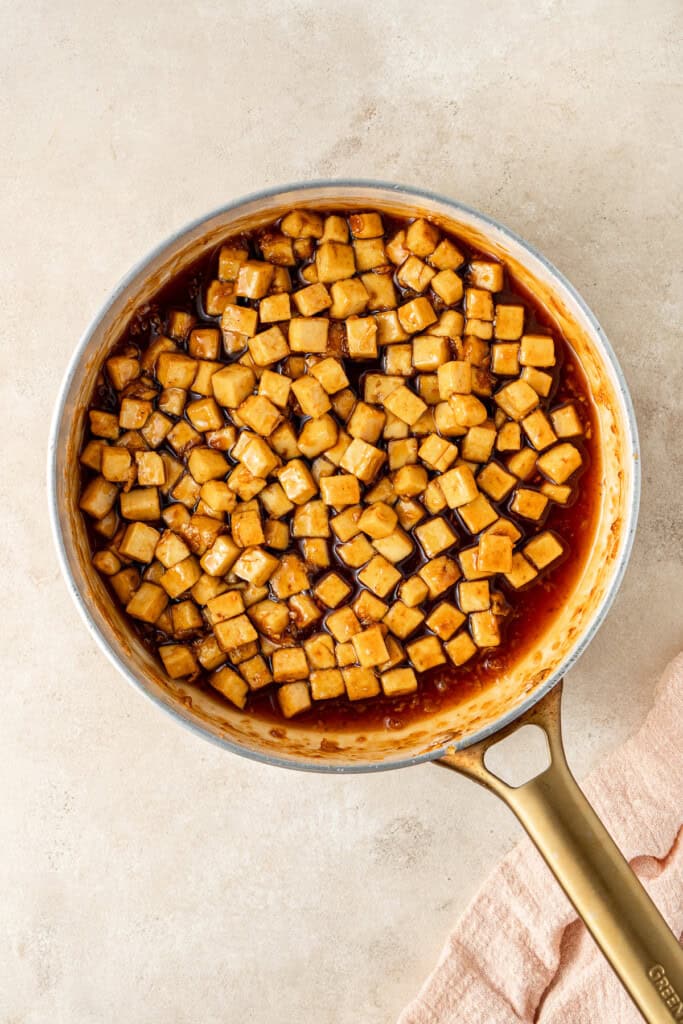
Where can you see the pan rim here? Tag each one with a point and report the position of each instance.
(58, 527)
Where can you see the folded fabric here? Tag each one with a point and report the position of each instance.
(519, 953)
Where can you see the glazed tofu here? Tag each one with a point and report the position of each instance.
(425, 653)
(558, 464)
(379, 576)
(361, 683)
(494, 553)
(543, 549)
(293, 698)
(399, 682)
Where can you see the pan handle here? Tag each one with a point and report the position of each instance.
(587, 863)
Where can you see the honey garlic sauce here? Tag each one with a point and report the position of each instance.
(532, 609)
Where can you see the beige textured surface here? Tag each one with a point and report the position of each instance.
(145, 875)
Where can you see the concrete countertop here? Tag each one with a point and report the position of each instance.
(146, 875)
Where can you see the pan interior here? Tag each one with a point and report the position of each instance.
(537, 670)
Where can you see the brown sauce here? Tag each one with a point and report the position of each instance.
(532, 609)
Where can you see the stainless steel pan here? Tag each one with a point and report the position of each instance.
(551, 807)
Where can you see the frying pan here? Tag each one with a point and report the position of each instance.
(551, 807)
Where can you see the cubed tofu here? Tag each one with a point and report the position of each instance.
(206, 464)
(254, 278)
(495, 482)
(558, 464)
(340, 490)
(413, 591)
(343, 624)
(459, 486)
(398, 360)
(379, 520)
(517, 399)
(239, 320)
(399, 682)
(380, 289)
(389, 329)
(461, 648)
(416, 315)
(231, 685)
(297, 482)
(330, 375)
(430, 352)
(446, 422)
(414, 274)
(275, 387)
(227, 605)
(367, 607)
(291, 576)
(559, 493)
(395, 548)
(326, 684)
(445, 620)
(410, 481)
(439, 574)
(528, 503)
(320, 651)
(478, 443)
(293, 698)
(219, 558)
(370, 647)
(141, 503)
(317, 436)
(522, 572)
(509, 438)
(234, 632)
(302, 224)
(426, 653)
(540, 381)
(405, 404)
(311, 396)
(361, 683)
(523, 463)
(486, 274)
(308, 334)
(369, 253)
(543, 549)
(275, 308)
(335, 229)
(402, 452)
(276, 534)
(331, 590)
(537, 350)
(349, 298)
(313, 299)
(474, 595)
(455, 378)
(362, 459)
(468, 410)
(485, 628)
(310, 520)
(316, 553)
(379, 576)
(505, 358)
(566, 421)
(366, 225)
(232, 385)
(230, 259)
(147, 603)
(270, 617)
(446, 256)
(402, 620)
(255, 566)
(139, 542)
(116, 464)
(367, 422)
(334, 261)
(268, 347)
(509, 322)
(289, 664)
(422, 237)
(435, 535)
(494, 553)
(361, 337)
(478, 304)
(537, 428)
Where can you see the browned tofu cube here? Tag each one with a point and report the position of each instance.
(340, 490)
(379, 576)
(398, 360)
(435, 535)
(367, 607)
(537, 428)
(343, 624)
(275, 387)
(361, 337)
(171, 549)
(331, 590)
(271, 617)
(297, 482)
(308, 334)
(543, 549)
(256, 673)
(413, 591)
(254, 278)
(268, 347)
(313, 299)
(290, 577)
(104, 424)
(345, 525)
(505, 358)
(566, 421)
(362, 459)
(231, 685)
(422, 237)
(366, 225)
(381, 291)
(134, 413)
(410, 481)
(459, 486)
(429, 353)
(289, 664)
(293, 699)
(478, 443)
(260, 414)
(335, 229)
(485, 629)
(389, 329)
(414, 274)
(403, 452)
(528, 503)
(175, 370)
(274, 308)
(304, 611)
(206, 464)
(540, 381)
(147, 603)
(474, 595)
(537, 350)
(326, 684)
(405, 404)
(302, 224)
(399, 682)
(461, 648)
(320, 651)
(311, 396)
(509, 323)
(276, 534)
(349, 298)
(334, 261)
(560, 463)
(140, 503)
(517, 399)
(416, 315)
(369, 253)
(455, 378)
(425, 653)
(232, 385)
(108, 564)
(116, 464)
(522, 572)
(495, 481)
(139, 542)
(370, 647)
(509, 437)
(523, 463)
(122, 370)
(366, 421)
(478, 304)
(178, 660)
(468, 410)
(445, 620)
(439, 574)
(402, 620)
(180, 577)
(559, 493)
(361, 683)
(255, 565)
(379, 520)
(330, 375)
(494, 553)
(486, 274)
(234, 632)
(446, 256)
(310, 520)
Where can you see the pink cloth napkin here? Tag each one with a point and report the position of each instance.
(519, 953)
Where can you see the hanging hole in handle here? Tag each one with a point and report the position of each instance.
(519, 757)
